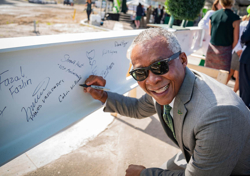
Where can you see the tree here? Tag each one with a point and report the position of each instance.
(184, 9)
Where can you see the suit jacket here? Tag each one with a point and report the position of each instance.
(139, 11)
(161, 15)
(212, 126)
(245, 39)
(149, 12)
(155, 13)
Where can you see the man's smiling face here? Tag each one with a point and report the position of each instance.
(163, 88)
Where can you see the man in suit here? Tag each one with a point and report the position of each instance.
(244, 72)
(162, 14)
(206, 119)
(157, 14)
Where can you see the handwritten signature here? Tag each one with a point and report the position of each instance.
(105, 72)
(16, 89)
(63, 96)
(71, 61)
(32, 111)
(92, 62)
(10, 80)
(122, 43)
(104, 52)
(1, 111)
(73, 73)
(50, 91)
(67, 59)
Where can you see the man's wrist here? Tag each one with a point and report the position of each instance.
(104, 97)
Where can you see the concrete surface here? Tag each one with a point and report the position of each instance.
(125, 141)
(62, 143)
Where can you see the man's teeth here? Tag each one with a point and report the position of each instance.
(162, 89)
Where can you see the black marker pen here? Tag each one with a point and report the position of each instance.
(95, 87)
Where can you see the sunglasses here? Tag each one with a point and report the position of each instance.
(158, 68)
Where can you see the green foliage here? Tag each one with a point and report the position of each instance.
(184, 9)
(118, 6)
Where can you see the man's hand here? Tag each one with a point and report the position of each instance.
(134, 170)
(96, 94)
(239, 52)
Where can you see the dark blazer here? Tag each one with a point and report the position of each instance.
(155, 12)
(245, 39)
(161, 15)
(139, 11)
(212, 131)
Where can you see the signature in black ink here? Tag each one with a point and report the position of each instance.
(122, 43)
(73, 73)
(92, 62)
(63, 96)
(61, 67)
(1, 111)
(17, 89)
(75, 83)
(10, 80)
(104, 51)
(74, 62)
(105, 72)
(51, 90)
(67, 59)
(78, 64)
(32, 111)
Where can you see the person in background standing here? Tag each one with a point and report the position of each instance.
(89, 8)
(142, 17)
(156, 14)
(162, 14)
(244, 73)
(139, 12)
(235, 64)
(148, 15)
(204, 24)
(224, 31)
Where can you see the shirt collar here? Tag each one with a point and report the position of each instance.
(172, 103)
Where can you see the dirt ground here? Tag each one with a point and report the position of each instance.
(17, 19)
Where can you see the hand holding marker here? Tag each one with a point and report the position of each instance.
(95, 87)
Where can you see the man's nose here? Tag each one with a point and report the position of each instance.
(153, 78)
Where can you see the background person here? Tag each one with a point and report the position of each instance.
(148, 14)
(157, 13)
(204, 24)
(224, 30)
(142, 17)
(162, 14)
(244, 73)
(205, 118)
(89, 8)
(237, 50)
(139, 13)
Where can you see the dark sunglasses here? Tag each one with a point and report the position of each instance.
(158, 68)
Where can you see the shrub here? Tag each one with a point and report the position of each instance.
(184, 9)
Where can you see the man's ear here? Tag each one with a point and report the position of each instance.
(183, 59)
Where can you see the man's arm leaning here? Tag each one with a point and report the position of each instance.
(131, 107)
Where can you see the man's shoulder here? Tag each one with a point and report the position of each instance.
(209, 98)
(212, 92)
